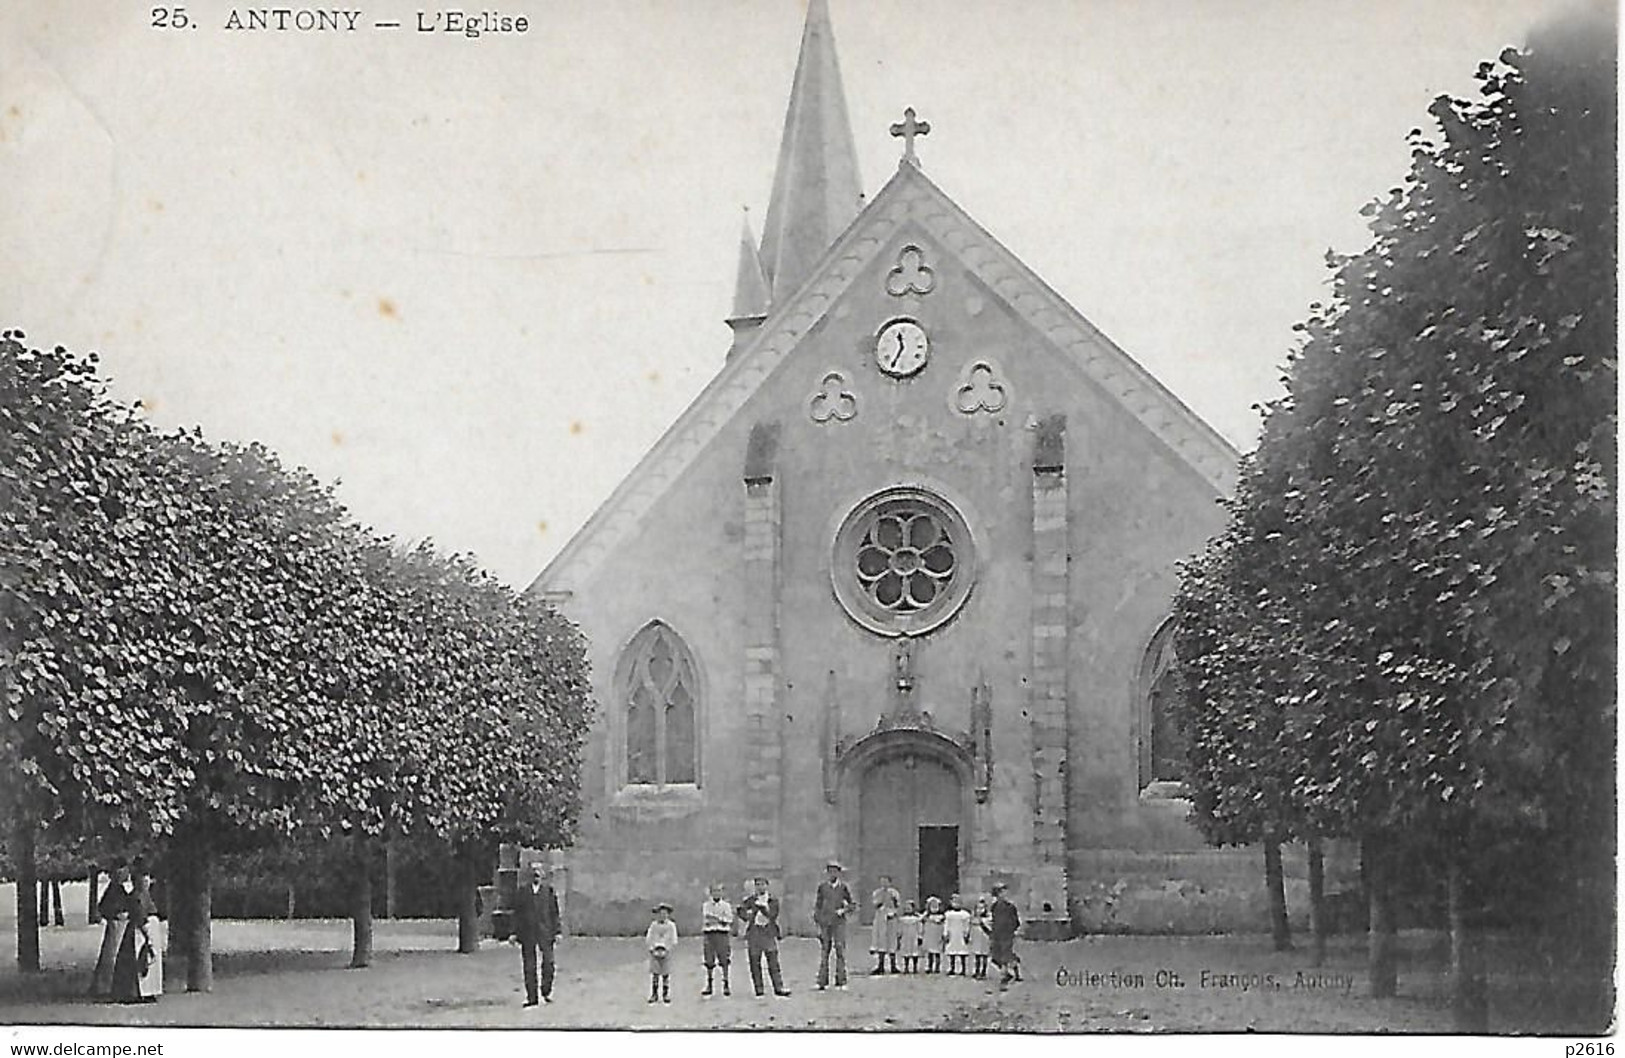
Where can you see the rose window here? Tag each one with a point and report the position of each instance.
(902, 562)
(905, 560)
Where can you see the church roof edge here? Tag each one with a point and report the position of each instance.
(908, 196)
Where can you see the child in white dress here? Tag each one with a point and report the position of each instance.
(908, 938)
(931, 936)
(981, 937)
(956, 930)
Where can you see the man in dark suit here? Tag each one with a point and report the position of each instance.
(833, 904)
(760, 913)
(536, 917)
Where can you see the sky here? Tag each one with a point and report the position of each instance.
(472, 280)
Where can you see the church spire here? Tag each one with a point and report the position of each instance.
(750, 288)
(816, 189)
(751, 294)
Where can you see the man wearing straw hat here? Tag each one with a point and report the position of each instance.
(833, 904)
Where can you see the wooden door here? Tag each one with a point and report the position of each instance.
(899, 796)
(939, 863)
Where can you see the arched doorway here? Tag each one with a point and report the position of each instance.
(906, 810)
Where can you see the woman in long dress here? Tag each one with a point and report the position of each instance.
(138, 972)
(883, 931)
(155, 934)
(114, 909)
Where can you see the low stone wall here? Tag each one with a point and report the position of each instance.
(611, 893)
(1205, 891)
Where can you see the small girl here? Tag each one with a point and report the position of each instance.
(931, 937)
(908, 938)
(661, 940)
(956, 928)
(981, 935)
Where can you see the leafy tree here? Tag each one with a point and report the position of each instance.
(200, 646)
(245, 551)
(1429, 516)
(1230, 709)
(67, 571)
(500, 684)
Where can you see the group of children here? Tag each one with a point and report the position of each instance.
(901, 935)
(756, 918)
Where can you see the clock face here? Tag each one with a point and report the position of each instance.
(901, 348)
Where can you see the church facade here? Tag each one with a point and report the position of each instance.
(894, 589)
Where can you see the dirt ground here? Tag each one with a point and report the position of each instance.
(294, 974)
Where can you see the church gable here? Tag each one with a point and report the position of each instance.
(887, 588)
(885, 269)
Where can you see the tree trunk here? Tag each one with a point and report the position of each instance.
(1318, 925)
(93, 914)
(361, 903)
(22, 850)
(290, 900)
(1467, 988)
(1275, 881)
(468, 896)
(391, 889)
(177, 904)
(1382, 964)
(193, 869)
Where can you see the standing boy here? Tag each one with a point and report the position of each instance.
(833, 904)
(717, 916)
(760, 913)
(1006, 921)
(661, 940)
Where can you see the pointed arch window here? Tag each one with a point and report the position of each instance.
(1162, 745)
(659, 692)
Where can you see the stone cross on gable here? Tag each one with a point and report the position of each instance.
(907, 129)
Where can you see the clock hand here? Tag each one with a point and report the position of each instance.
(899, 354)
